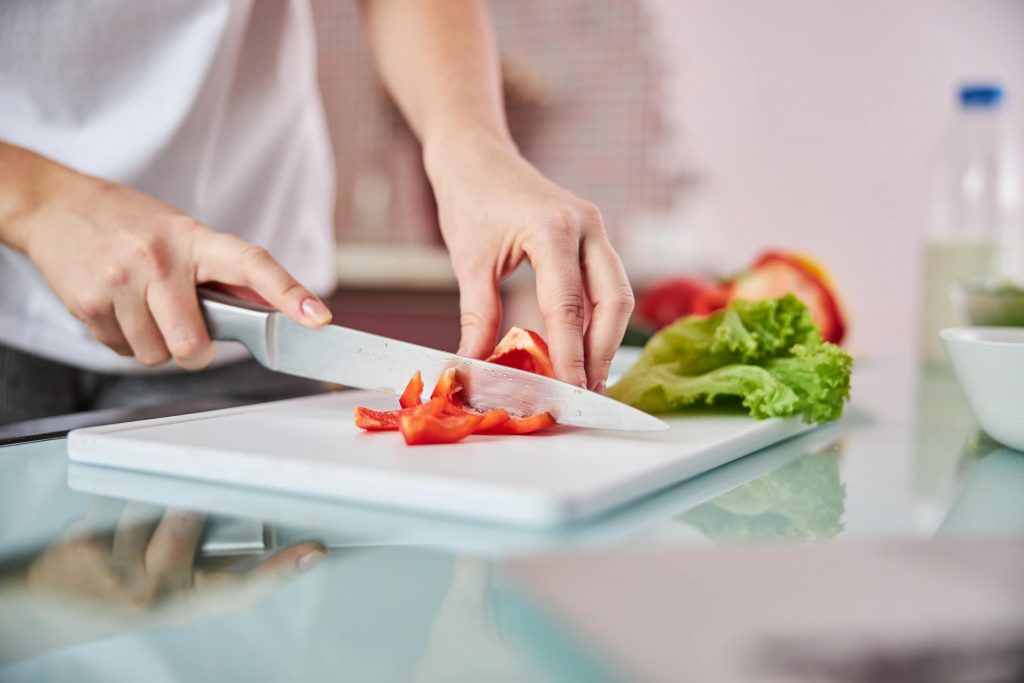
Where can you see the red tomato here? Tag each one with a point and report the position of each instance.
(776, 274)
(667, 301)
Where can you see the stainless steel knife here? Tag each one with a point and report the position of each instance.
(368, 361)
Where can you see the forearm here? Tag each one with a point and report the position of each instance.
(27, 180)
(439, 61)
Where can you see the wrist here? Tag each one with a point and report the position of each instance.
(449, 150)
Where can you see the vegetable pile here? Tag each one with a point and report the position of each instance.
(445, 418)
(772, 275)
(766, 355)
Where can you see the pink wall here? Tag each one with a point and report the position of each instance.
(810, 125)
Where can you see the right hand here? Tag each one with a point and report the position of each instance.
(127, 265)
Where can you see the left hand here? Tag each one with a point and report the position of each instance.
(496, 210)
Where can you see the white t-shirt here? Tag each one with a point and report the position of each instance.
(209, 105)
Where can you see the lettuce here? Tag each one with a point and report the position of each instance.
(765, 355)
(803, 500)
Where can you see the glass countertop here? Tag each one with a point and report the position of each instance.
(113, 575)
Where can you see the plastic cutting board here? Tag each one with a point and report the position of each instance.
(310, 446)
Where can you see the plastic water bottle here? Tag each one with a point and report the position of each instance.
(974, 225)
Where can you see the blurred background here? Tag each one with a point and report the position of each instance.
(706, 132)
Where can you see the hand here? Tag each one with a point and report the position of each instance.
(94, 583)
(496, 210)
(149, 563)
(127, 265)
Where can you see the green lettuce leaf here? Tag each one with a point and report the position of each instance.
(765, 355)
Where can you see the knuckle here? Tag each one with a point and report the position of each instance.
(116, 275)
(562, 224)
(92, 306)
(255, 255)
(155, 253)
(569, 307)
(590, 214)
(188, 347)
(472, 319)
(577, 363)
(152, 358)
(623, 300)
(184, 224)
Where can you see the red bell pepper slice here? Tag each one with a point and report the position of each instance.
(521, 425)
(412, 396)
(377, 420)
(427, 429)
(445, 419)
(524, 350)
(492, 418)
(447, 386)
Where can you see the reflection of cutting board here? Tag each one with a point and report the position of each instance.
(311, 446)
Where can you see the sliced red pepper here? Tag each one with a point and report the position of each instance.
(435, 407)
(447, 386)
(521, 425)
(524, 350)
(445, 418)
(427, 429)
(377, 420)
(492, 418)
(412, 396)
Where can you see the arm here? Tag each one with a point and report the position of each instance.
(439, 61)
(127, 265)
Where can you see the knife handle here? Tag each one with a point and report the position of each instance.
(229, 318)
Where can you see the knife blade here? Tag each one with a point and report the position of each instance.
(368, 361)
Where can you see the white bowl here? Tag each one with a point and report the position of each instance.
(989, 362)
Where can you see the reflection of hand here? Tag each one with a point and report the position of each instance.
(151, 562)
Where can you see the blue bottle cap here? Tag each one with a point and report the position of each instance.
(981, 95)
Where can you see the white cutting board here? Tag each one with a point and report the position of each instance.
(311, 446)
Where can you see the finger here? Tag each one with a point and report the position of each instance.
(290, 561)
(480, 312)
(132, 533)
(265, 577)
(140, 330)
(563, 303)
(107, 331)
(612, 298)
(225, 258)
(175, 308)
(171, 552)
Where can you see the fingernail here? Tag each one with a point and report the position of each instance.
(309, 560)
(315, 310)
(599, 388)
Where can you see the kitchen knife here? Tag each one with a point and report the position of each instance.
(368, 361)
